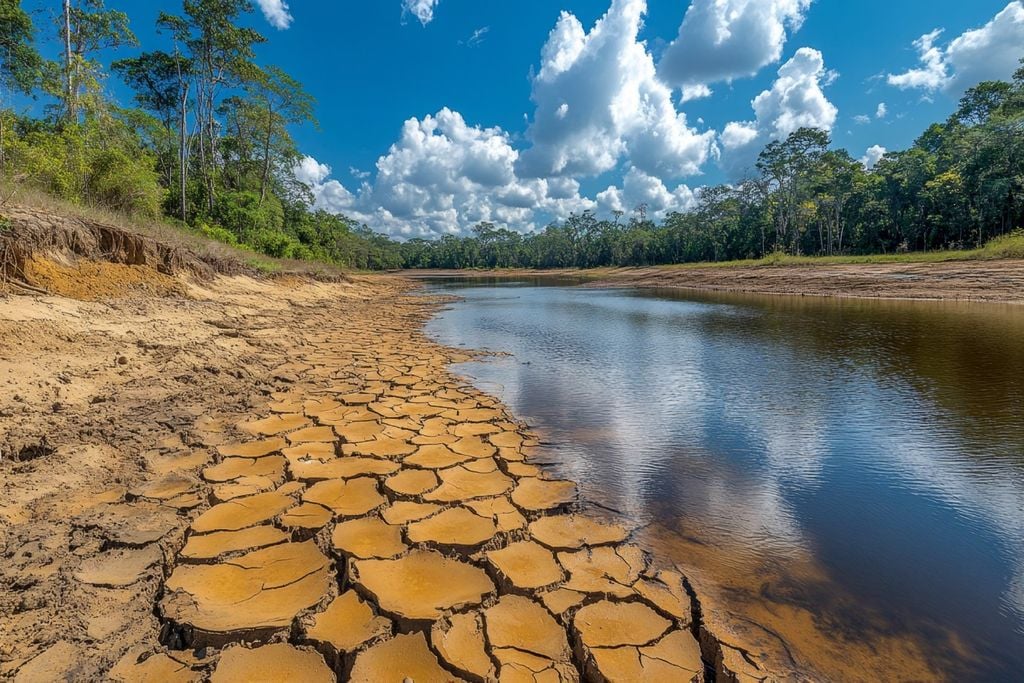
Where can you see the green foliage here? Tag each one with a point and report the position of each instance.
(1005, 246)
(242, 214)
(20, 64)
(98, 162)
(120, 180)
(216, 232)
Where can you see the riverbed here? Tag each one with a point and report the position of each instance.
(843, 479)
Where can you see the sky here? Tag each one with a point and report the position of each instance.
(435, 115)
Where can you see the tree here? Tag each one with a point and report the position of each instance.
(20, 63)
(277, 101)
(221, 54)
(88, 28)
(980, 102)
(160, 82)
(787, 165)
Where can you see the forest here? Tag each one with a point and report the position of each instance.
(207, 144)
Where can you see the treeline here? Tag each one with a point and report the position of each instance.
(207, 144)
(959, 186)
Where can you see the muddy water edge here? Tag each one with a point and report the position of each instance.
(842, 480)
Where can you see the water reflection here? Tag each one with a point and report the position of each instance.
(846, 473)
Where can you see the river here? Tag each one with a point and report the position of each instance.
(843, 479)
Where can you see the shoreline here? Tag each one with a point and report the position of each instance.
(998, 281)
(278, 464)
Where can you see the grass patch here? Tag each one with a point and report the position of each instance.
(267, 267)
(1007, 246)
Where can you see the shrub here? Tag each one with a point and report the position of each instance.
(125, 182)
(271, 243)
(241, 213)
(99, 162)
(215, 232)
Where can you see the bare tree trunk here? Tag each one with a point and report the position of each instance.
(183, 152)
(265, 179)
(68, 65)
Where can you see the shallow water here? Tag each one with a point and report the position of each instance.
(848, 474)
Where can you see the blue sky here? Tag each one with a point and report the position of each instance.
(546, 112)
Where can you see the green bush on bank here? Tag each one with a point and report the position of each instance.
(98, 162)
(1009, 246)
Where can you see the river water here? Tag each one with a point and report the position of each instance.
(843, 479)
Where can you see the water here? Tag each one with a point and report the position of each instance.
(846, 475)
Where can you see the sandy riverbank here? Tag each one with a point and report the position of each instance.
(240, 476)
(991, 281)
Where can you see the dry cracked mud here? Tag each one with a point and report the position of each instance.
(317, 498)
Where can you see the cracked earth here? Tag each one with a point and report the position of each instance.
(285, 482)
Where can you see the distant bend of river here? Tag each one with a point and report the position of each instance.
(845, 474)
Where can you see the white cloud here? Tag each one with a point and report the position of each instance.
(478, 37)
(311, 172)
(862, 119)
(695, 92)
(421, 9)
(991, 52)
(720, 40)
(598, 100)
(638, 189)
(882, 111)
(795, 100)
(276, 12)
(443, 176)
(873, 156)
(932, 74)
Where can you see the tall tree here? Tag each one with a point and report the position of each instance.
(221, 54)
(87, 28)
(278, 101)
(787, 165)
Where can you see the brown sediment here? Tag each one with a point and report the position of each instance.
(994, 281)
(997, 281)
(289, 479)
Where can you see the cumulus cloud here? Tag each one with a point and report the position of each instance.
(882, 111)
(991, 52)
(795, 100)
(639, 189)
(276, 12)
(441, 177)
(933, 72)
(421, 9)
(598, 100)
(720, 40)
(862, 119)
(873, 155)
(330, 194)
(311, 172)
